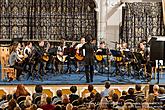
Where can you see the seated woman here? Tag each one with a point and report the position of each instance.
(21, 91)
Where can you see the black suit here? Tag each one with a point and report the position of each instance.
(89, 60)
(73, 97)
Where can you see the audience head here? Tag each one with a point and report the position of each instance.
(21, 91)
(73, 89)
(17, 108)
(90, 87)
(103, 103)
(58, 107)
(150, 98)
(69, 106)
(12, 104)
(107, 84)
(48, 100)
(65, 99)
(38, 89)
(33, 107)
(91, 106)
(9, 97)
(43, 99)
(121, 102)
(161, 90)
(115, 97)
(97, 97)
(138, 87)
(27, 103)
(155, 88)
(59, 93)
(124, 93)
(111, 92)
(131, 91)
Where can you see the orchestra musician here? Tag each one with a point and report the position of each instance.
(145, 54)
(28, 50)
(82, 42)
(102, 49)
(89, 59)
(28, 55)
(40, 52)
(124, 47)
(94, 43)
(59, 59)
(15, 59)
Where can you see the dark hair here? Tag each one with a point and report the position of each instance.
(121, 102)
(97, 97)
(102, 42)
(88, 38)
(59, 93)
(12, 103)
(115, 97)
(124, 93)
(90, 87)
(9, 97)
(138, 87)
(73, 89)
(58, 107)
(131, 91)
(48, 100)
(38, 88)
(28, 43)
(107, 84)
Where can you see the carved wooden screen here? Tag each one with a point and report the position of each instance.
(50, 19)
(141, 20)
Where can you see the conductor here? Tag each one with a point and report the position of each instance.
(88, 52)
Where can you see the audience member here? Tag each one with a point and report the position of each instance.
(156, 90)
(69, 106)
(115, 99)
(138, 92)
(124, 93)
(21, 91)
(38, 91)
(48, 106)
(111, 92)
(130, 95)
(57, 98)
(73, 96)
(12, 104)
(103, 104)
(106, 91)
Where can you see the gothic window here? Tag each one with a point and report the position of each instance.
(50, 19)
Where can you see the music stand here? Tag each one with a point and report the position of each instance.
(117, 54)
(70, 52)
(128, 57)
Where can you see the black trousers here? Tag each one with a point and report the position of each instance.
(89, 71)
(19, 68)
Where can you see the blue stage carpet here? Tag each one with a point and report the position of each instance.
(76, 78)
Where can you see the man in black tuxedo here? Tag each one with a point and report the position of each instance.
(88, 51)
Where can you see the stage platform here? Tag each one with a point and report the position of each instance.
(52, 78)
(74, 78)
